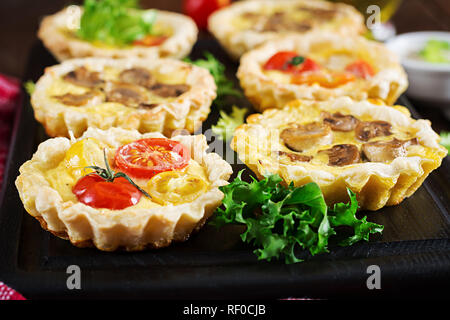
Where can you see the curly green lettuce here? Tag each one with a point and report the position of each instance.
(225, 86)
(279, 219)
(228, 123)
(115, 22)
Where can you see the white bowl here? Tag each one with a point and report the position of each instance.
(427, 81)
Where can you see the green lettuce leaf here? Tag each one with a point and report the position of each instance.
(228, 123)
(279, 219)
(225, 87)
(114, 22)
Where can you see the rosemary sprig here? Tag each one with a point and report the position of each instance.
(109, 175)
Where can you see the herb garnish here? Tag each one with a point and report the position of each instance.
(109, 175)
(115, 22)
(295, 61)
(225, 86)
(280, 218)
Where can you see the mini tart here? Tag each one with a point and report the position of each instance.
(57, 32)
(45, 193)
(147, 95)
(273, 89)
(331, 143)
(244, 25)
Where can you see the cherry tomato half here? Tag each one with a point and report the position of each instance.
(281, 61)
(146, 157)
(361, 69)
(150, 41)
(94, 191)
(200, 10)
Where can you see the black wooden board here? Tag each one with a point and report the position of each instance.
(413, 253)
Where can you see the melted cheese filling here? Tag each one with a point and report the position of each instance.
(89, 152)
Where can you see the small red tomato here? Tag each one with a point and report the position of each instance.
(200, 10)
(307, 65)
(285, 61)
(94, 191)
(146, 157)
(280, 61)
(361, 69)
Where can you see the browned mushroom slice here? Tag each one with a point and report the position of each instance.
(169, 90)
(340, 122)
(342, 155)
(280, 22)
(127, 94)
(295, 156)
(75, 99)
(367, 130)
(384, 151)
(139, 76)
(300, 137)
(81, 76)
(319, 13)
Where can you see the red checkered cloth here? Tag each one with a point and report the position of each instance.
(6, 293)
(9, 100)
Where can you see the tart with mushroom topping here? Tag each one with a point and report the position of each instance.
(111, 29)
(379, 152)
(121, 189)
(244, 25)
(320, 66)
(161, 95)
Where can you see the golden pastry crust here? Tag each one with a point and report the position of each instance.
(133, 228)
(376, 184)
(237, 40)
(186, 111)
(55, 29)
(389, 82)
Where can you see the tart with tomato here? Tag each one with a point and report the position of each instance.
(121, 189)
(378, 151)
(148, 95)
(244, 25)
(117, 29)
(319, 67)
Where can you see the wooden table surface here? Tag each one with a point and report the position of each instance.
(19, 21)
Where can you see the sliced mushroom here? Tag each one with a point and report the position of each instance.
(295, 156)
(75, 99)
(384, 151)
(340, 122)
(319, 13)
(367, 130)
(342, 155)
(148, 105)
(280, 22)
(300, 137)
(127, 94)
(81, 76)
(138, 76)
(169, 90)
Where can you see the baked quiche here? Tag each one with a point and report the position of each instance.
(118, 188)
(117, 29)
(148, 95)
(320, 66)
(378, 151)
(244, 25)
